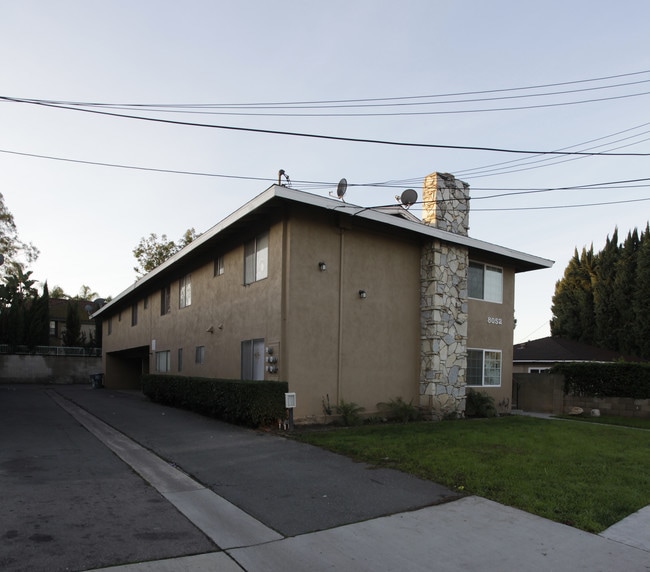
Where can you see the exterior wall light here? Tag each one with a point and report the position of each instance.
(322, 266)
(362, 294)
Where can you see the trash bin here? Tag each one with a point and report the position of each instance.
(97, 380)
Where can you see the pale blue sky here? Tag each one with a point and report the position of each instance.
(87, 219)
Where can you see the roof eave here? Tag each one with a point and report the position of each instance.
(521, 261)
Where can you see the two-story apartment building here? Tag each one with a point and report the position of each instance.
(340, 301)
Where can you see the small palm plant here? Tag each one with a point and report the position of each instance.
(349, 412)
(400, 410)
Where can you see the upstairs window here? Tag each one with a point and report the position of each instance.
(256, 259)
(218, 266)
(165, 300)
(185, 291)
(485, 282)
(134, 314)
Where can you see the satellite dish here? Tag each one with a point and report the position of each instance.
(341, 188)
(99, 302)
(408, 197)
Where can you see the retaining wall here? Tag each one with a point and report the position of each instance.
(48, 369)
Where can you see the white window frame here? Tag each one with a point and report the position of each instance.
(487, 367)
(539, 369)
(185, 291)
(491, 282)
(256, 259)
(163, 361)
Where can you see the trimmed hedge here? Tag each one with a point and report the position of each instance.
(250, 403)
(618, 379)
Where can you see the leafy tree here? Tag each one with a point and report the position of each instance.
(87, 293)
(152, 251)
(13, 250)
(38, 322)
(58, 293)
(16, 295)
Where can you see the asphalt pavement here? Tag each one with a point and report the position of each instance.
(94, 479)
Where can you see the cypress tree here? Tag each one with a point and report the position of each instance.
(641, 301)
(624, 287)
(72, 334)
(573, 301)
(605, 315)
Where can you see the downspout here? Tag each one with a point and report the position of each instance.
(284, 358)
(340, 336)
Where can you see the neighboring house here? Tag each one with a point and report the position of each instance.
(342, 302)
(538, 356)
(59, 314)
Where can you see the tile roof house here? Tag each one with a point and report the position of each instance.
(340, 301)
(538, 356)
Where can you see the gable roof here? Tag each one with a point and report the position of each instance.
(556, 349)
(276, 196)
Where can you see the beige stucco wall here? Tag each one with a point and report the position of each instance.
(484, 333)
(329, 342)
(223, 304)
(340, 345)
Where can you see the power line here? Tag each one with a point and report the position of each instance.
(325, 137)
(343, 102)
(82, 106)
(562, 206)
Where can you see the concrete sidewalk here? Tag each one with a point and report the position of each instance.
(333, 514)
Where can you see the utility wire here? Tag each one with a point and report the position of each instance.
(562, 206)
(81, 107)
(620, 184)
(324, 137)
(344, 102)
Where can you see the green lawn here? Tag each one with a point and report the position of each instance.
(585, 475)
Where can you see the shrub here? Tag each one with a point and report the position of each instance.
(251, 403)
(399, 410)
(479, 404)
(349, 412)
(618, 379)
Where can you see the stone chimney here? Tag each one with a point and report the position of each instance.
(446, 203)
(443, 298)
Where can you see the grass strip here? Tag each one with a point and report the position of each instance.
(588, 476)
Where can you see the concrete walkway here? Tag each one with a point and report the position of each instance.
(188, 460)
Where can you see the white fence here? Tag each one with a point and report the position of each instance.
(50, 351)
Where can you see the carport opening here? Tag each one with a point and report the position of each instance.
(124, 369)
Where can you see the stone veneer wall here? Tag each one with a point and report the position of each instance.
(443, 322)
(443, 298)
